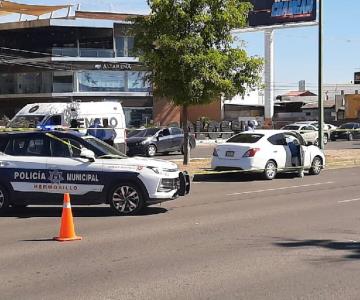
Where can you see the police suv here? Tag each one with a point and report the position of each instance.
(38, 167)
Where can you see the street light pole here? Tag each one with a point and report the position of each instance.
(320, 80)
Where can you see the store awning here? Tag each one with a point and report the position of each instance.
(7, 7)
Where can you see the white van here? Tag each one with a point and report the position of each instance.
(47, 115)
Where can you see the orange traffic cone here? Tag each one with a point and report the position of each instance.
(67, 231)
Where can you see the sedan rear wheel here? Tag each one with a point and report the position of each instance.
(316, 166)
(126, 199)
(270, 170)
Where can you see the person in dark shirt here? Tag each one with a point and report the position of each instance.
(296, 159)
(74, 125)
(96, 129)
(109, 133)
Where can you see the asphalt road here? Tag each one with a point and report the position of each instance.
(234, 237)
(206, 150)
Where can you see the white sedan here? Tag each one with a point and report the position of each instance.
(268, 152)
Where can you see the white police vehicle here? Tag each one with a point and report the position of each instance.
(38, 167)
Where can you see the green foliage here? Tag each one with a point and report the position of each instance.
(189, 48)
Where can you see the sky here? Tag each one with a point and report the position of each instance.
(296, 50)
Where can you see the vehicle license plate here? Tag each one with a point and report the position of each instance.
(229, 154)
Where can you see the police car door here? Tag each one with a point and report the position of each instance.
(25, 163)
(71, 173)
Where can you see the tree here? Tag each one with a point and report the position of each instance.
(188, 46)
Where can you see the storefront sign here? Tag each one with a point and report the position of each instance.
(272, 12)
(113, 66)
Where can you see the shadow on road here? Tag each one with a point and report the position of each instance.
(236, 177)
(79, 212)
(352, 247)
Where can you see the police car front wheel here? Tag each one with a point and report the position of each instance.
(126, 199)
(4, 200)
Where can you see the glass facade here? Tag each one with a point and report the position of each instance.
(137, 82)
(64, 82)
(101, 81)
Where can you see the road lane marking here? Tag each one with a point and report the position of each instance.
(351, 200)
(282, 188)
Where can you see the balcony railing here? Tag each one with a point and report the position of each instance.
(82, 52)
(72, 52)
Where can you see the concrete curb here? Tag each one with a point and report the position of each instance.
(209, 142)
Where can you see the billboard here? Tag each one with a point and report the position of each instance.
(357, 77)
(273, 12)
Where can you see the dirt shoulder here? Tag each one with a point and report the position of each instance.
(334, 159)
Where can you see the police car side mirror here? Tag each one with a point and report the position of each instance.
(88, 154)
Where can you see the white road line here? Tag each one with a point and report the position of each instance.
(351, 200)
(282, 188)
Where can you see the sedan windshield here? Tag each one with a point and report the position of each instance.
(246, 138)
(143, 133)
(291, 127)
(347, 126)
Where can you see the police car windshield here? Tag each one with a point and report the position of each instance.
(30, 121)
(107, 150)
(144, 132)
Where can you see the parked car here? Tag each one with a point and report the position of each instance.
(157, 140)
(328, 128)
(267, 152)
(308, 132)
(348, 131)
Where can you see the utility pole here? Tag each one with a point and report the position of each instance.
(269, 77)
(320, 80)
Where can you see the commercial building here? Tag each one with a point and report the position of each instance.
(84, 56)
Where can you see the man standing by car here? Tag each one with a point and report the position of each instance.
(296, 157)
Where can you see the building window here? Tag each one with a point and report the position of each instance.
(62, 82)
(120, 46)
(28, 83)
(138, 116)
(96, 48)
(130, 46)
(101, 81)
(137, 82)
(124, 46)
(8, 84)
